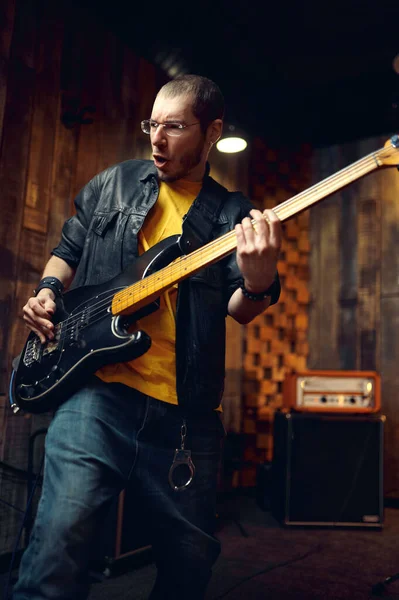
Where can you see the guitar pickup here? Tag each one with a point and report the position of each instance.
(52, 345)
(84, 319)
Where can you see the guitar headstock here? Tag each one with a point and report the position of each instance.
(389, 155)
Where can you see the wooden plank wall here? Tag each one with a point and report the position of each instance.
(56, 70)
(354, 310)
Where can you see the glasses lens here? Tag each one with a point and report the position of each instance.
(173, 129)
(146, 126)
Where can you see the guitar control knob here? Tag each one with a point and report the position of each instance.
(25, 391)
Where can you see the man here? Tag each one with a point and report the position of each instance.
(126, 421)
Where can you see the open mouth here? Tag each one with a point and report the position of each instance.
(159, 161)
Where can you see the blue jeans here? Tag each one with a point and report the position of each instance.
(102, 437)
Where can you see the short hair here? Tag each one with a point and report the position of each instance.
(208, 101)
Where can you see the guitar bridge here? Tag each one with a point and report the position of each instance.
(33, 351)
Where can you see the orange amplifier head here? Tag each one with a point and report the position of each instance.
(333, 391)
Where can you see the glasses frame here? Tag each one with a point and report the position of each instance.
(175, 132)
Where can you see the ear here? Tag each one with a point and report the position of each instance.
(214, 131)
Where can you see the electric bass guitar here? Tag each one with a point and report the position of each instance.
(94, 327)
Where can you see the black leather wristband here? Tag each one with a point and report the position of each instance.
(256, 297)
(53, 284)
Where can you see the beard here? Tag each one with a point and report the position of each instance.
(186, 164)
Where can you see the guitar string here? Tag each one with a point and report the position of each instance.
(106, 302)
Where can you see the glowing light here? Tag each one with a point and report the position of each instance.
(231, 145)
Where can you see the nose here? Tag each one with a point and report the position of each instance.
(158, 137)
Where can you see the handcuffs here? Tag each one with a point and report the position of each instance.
(182, 458)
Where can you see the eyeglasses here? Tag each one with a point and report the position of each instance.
(172, 129)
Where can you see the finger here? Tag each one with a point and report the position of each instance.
(43, 332)
(270, 216)
(249, 233)
(240, 237)
(32, 327)
(276, 234)
(261, 226)
(40, 335)
(42, 307)
(34, 320)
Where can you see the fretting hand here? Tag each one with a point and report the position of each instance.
(258, 249)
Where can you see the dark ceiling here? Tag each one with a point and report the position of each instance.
(291, 71)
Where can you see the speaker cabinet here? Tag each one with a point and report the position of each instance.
(327, 469)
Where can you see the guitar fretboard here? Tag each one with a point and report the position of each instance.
(149, 289)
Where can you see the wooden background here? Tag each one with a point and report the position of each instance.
(354, 284)
(339, 265)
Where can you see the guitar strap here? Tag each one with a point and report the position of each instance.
(204, 213)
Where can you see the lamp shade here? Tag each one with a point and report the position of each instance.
(231, 141)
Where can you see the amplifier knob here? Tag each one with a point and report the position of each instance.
(323, 399)
(352, 400)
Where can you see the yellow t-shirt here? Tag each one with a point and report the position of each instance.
(154, 373)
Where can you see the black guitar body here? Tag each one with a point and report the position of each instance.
(87, 336)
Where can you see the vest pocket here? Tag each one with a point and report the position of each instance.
(104, 247)
(102, 222)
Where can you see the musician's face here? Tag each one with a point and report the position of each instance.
(183, 156)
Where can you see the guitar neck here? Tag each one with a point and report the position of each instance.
(148, 289)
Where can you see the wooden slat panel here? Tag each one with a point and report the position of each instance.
(89, 143)
(17, 429)
(369, 190)
(13, 165)
(147, 90)
(369, 271)
(390, 326)
(45, 114)
(325, 270)
(13, 169)
(390, 233)
(112, 124)
(129, 109)
(348, 283)
(7, 14)
(62, 179)
(31, 248)
(390, 391)
(66, 137)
